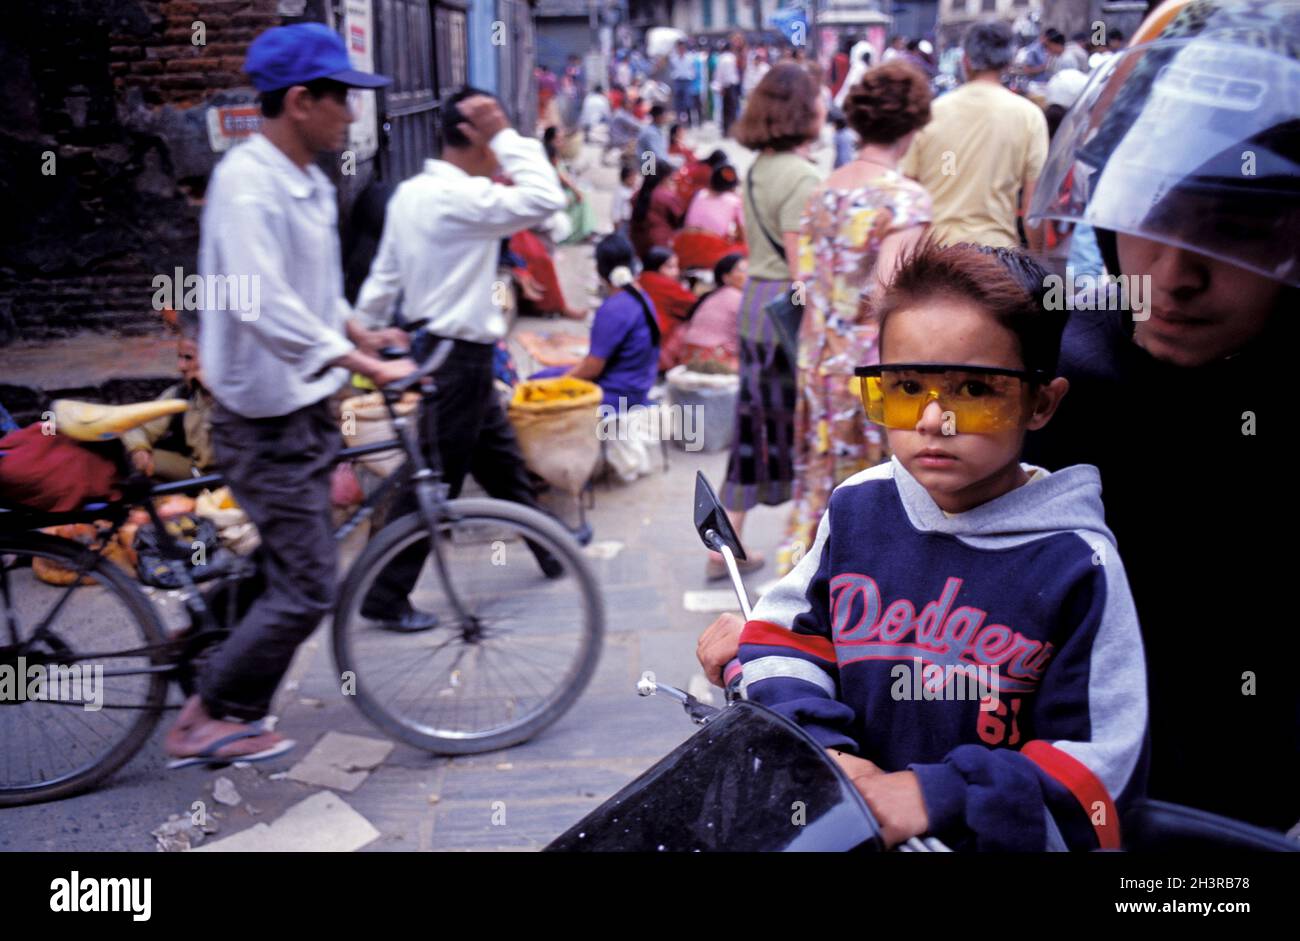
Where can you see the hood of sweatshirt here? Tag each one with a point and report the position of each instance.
(1068, 500)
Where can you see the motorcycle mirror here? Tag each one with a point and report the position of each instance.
(711, 520)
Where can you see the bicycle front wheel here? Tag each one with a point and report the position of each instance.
(519, 632)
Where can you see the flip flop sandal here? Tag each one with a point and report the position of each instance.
(210, 757)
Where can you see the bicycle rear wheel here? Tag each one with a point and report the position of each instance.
(516, 662)
(101, 704)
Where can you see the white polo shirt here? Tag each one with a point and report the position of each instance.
(442, 236)
(274, 227)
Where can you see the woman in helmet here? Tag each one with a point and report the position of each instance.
(1184, 155)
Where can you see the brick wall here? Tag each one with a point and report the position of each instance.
(116, 91)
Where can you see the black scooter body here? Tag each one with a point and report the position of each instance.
(748, 781)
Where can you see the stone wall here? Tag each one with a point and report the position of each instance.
(104, 151)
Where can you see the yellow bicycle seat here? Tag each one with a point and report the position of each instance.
(91, 421)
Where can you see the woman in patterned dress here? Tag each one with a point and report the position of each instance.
(854, 228)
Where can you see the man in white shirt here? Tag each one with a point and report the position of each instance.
(681, 70)
(275, 344)
(595, 110)
(726, 81)
(440, 250)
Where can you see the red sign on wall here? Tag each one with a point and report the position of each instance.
(231, 124)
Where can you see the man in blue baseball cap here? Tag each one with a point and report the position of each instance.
(276, 343)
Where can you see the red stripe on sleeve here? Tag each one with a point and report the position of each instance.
(768, 634)
(1074, 775)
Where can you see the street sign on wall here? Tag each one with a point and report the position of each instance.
(359, 34)
(230, 124)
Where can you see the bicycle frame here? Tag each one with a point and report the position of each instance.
(425, 475)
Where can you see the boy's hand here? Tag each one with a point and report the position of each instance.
(719, 645)
(894, 797)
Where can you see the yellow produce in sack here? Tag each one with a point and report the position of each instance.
(555, 421)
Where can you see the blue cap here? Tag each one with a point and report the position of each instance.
(294, 55)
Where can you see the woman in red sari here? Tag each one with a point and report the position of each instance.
(539, 285)
(657, 213)
(661, 281)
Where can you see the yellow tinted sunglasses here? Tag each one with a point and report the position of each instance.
(974, 399)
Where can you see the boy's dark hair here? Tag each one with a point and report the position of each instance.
(1055, 35)
(451, 116)
(272, 102)
(657, 111)
(1006, 282)
(626, 172)
(656, 257)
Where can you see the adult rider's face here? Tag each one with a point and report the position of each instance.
(1201, 309)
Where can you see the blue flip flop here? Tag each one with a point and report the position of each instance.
(210, 757)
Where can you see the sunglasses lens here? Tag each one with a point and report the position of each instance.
(972, 402)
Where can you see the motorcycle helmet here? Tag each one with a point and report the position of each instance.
(1190, 137)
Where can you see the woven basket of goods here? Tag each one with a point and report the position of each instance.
(119, 551)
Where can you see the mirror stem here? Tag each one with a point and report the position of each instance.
(735, 578)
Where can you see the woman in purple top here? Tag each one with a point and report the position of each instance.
(624, 355)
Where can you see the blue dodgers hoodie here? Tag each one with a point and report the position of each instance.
(996, 653)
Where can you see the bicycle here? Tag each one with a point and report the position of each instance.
(473, 690)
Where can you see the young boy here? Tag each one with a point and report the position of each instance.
(961, 636)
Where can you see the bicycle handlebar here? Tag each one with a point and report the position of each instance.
(431, 365)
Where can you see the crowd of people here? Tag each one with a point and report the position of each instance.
(917, 276)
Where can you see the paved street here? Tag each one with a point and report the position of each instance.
(646, 557)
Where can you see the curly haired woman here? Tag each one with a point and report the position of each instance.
(854, 228)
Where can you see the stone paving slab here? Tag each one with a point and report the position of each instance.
(340, 761)
(322, 823)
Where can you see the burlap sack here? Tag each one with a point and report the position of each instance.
(365, 420)
(555, 421)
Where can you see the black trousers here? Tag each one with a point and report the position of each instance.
(473, 437)
(279, 471)
(730, 107)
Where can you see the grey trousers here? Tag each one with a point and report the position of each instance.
(279, 471)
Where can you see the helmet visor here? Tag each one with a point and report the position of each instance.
(1192, 143)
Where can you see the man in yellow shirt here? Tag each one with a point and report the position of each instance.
(983, 149)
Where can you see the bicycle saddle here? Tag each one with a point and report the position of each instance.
(91, 421)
